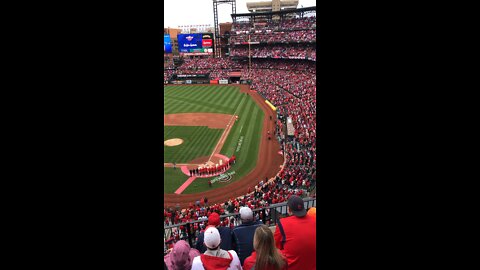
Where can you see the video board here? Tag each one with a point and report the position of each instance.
(195, 44)
(167, 43)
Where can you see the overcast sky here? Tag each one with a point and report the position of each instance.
(191, 12)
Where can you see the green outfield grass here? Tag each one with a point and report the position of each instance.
(198, 141)
(207, 99)
(213, 99)
(175, 179)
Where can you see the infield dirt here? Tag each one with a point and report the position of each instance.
(268, 163)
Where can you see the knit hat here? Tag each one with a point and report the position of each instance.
(214, 219)
(212, 238)
(246, 214)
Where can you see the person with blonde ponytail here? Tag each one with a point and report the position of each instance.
(266, 256)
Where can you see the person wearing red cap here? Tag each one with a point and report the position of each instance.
(296, 236)
(225, 233)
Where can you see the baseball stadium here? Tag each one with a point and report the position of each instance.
(240, 134)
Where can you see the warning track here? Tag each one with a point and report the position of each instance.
(268, 163)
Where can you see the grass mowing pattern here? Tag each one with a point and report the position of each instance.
(206, 99)
(249, 126)
(217, 99)
(175, 179)
(198, 141)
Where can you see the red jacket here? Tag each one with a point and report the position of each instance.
(299, 245)
(250, 262)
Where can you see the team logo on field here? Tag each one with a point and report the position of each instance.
(223, 178)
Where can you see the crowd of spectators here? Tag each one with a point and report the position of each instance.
(251, 243)
(282, 65)
(285, 51)
(167, 73)
(291, 86)
(219, 68)
(243, 240)
(264, 194)
(276, 37)
(209, 63)
(286, 24)
(288, 84)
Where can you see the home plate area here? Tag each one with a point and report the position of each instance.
(205, 162)
(202, 163)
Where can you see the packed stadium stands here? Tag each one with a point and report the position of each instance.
(285, 51)
(288, 80)
(287, 24)
(276, 37)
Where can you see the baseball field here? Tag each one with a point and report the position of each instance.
(206, 124)
(200, 138)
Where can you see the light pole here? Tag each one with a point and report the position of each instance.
(249, 55)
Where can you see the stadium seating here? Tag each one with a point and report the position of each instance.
(291, 86)
(276, 37)
(288, 24)
(285, 51)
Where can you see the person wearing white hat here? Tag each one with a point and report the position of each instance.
(215, 258)
(243, 234)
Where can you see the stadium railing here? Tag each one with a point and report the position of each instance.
(270, 213)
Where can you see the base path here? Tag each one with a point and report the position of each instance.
(185, 185)
(268, 165)
(211, 120)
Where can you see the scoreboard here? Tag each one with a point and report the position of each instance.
(195, 44)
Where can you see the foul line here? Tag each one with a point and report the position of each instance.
(185, 185)
(229, 127)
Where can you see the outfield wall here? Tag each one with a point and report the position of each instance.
(204, 81)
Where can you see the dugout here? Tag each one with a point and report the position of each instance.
(234, 76)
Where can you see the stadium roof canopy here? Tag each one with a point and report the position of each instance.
(266, 6)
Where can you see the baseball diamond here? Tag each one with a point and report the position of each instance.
(211, 120)
(240, 136)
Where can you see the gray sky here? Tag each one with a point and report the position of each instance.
(189, 12)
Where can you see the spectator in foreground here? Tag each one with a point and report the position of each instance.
(215, 258)
(295, 236)
(312, 212)
(243, 234)
(225, 233)
(266, 256)
(181, 256)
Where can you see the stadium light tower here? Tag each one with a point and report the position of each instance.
(215, 18)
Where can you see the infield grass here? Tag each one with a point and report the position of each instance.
(198, 141)
(243, 140)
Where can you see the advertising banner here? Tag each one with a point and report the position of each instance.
(213, 82)
(192, 76)
(223, 81)
(167, 44)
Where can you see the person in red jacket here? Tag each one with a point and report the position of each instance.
(296, 236)
(266, 256)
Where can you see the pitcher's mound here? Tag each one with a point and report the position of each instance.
(173, 142)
